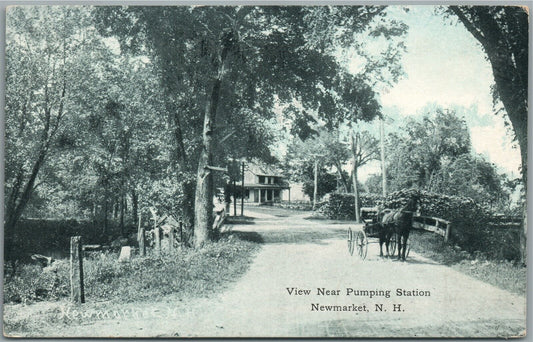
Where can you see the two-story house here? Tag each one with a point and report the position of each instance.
(263, 184)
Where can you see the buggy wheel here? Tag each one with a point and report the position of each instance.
(351, 242)
(392, 244)
(362, 244)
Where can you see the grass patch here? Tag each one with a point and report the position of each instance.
(186, 272)
(118, 287)
(507, 275)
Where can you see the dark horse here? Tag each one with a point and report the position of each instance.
(397, 222)
(384, 233)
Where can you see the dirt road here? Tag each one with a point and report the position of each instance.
(271, 299)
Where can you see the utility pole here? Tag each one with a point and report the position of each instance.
(354, 142)
(383, 167)
(315, 190)
(234, 198)
(242, 191)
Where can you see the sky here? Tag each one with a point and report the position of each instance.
(445, 65)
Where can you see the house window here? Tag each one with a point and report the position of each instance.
(261, 179)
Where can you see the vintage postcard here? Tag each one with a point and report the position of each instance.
(266, 171)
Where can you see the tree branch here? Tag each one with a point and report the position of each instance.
(468, 25)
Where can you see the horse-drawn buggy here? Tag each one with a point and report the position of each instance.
(388, 226)
(371, 232)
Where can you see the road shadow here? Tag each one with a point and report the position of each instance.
(240, 220)
(289, 236)
(247, 236)
(301, 236)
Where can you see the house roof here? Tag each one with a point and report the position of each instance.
(264, 170)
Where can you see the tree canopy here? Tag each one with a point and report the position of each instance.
(232, 64)
(111, 110)
(434, 153)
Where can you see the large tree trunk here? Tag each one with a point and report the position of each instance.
(188, 213)
(188, 187)
(203, 203)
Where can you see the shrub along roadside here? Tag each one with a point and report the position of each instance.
(341, 206)
(507, 275)
(188, 273)
(470, 221)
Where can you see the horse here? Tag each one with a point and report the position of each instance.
(384, 232)
(399, 222)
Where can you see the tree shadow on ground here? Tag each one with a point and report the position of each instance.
(247, 236)
(238, 220)
(301, 236)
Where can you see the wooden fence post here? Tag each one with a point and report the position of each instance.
(171, 240)
(157, 238)
(448, 232)
(181, 233)
(142, 242)
(77, 291)
(141, 238)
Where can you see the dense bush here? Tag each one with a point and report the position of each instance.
(510, 276)
(499, 243)
(470, 221)
(468, 218)
(341, 206)
(33, 283)
(295, 205)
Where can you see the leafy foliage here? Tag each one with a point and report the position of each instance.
(434, 154)
(114, 109)
(341, 206)
(473, 177)
(415, 156)
(468, 218)
(246, 59)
